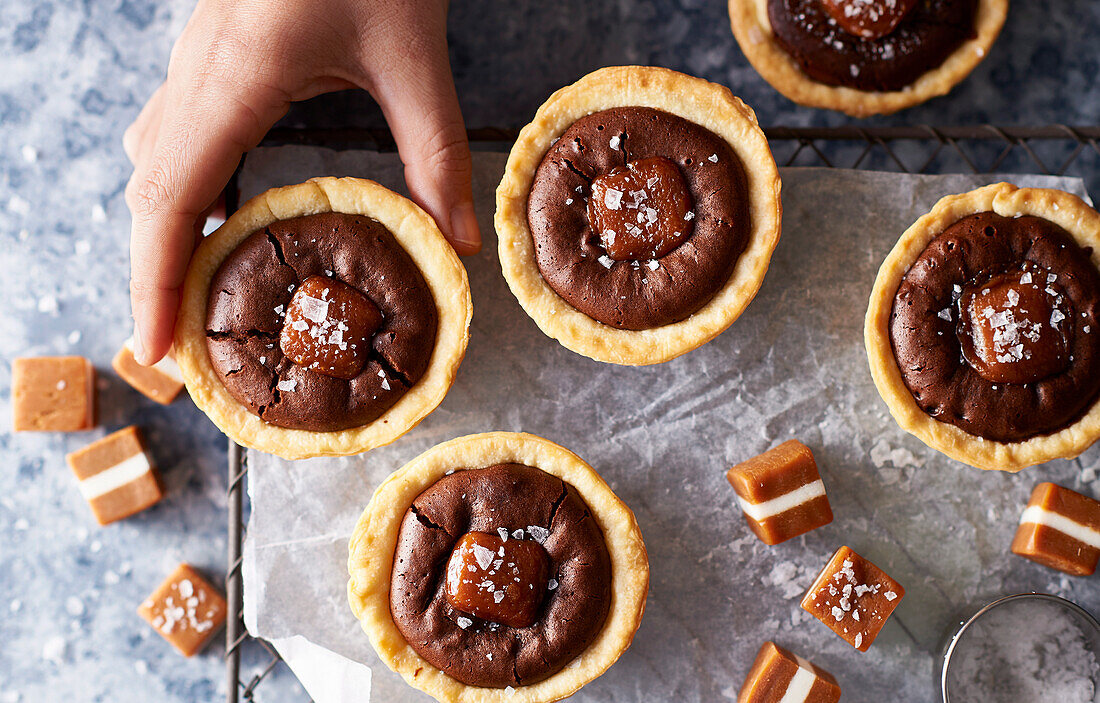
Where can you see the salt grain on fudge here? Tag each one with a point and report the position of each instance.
(853, 597)
(779, 676)
(1060, 529)
(116, 476)
(186, 610)
(781, 492)
(53, 394)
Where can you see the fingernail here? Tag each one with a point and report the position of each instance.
(464, 229)
(139, 346)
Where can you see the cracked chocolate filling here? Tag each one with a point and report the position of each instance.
(925, 333)
(637, 295)
(249, 295)
(487, 654)
(921, 42)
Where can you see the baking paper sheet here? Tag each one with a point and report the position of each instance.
(793, 366)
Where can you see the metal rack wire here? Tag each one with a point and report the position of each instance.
(1057, 150)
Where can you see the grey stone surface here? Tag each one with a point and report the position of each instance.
(74, 74)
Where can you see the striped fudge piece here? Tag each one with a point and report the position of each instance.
(1060, 528)
(116, 476)
(779, 676)
(781, 492)
(161, 382)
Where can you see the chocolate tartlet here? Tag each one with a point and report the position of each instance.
(865, 57)
(498, 567)
(637, 214)
(324, 318)
(982, 327)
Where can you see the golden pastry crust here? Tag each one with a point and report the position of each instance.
(753, 30)
(1063, 209)
(707, 104)
(418, 235)
(372, 546)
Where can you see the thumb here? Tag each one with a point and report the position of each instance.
(421, 108)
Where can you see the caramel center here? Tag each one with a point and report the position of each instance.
(868, 19)
(1015, 328)
(328, 327)
(499, 580)
(642, 210)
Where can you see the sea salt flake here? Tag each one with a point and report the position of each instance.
(605, 261)
(614, 142)
(287, 386)
(552, 584)
(463, 622)
(889, 595)
(613, 198)
(503, 532)
(539, 534)
(483, 556)
(713, 158)
(944, 314)
(518, 534)
(498, 596)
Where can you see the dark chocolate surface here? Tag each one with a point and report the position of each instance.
(515, 497)
(925, 318)
(637, 294)
(248, 298)
(930, 33)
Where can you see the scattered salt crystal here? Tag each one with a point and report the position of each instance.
(263, 359)
(508, 690)
(483, 556)
(552, 584)
(287, 386)
(61, 385)
(1026, 278)
(859, 639)
(568, 201)
(612, 198)
(539, 534)
(713, 158)
(613, 142)
(518, 534)
(498, 596)
(48, 304)
(503, 532)
(605, 261)
(944, 314)
(463, 622)
(19, 206)
(489, 656)
(889, 595)
(55, 649)
(689, 215)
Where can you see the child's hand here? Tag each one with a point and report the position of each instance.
(233, 72)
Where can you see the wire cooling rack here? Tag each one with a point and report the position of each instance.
(1057, 150)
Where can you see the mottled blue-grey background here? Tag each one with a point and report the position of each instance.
(73, 75)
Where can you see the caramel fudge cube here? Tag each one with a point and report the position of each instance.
(116, 476)
(779, 676)
(161, 382)
(853, 597)
(53, 394)
(1060, 529)
(497, 579)
(781, 492)
(186, 610)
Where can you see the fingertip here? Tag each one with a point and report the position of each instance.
(465, 234)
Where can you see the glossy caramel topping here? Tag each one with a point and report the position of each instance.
(642, 210)
(1015, 327)
(870, 19)
(496, 579)
(328, 327)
